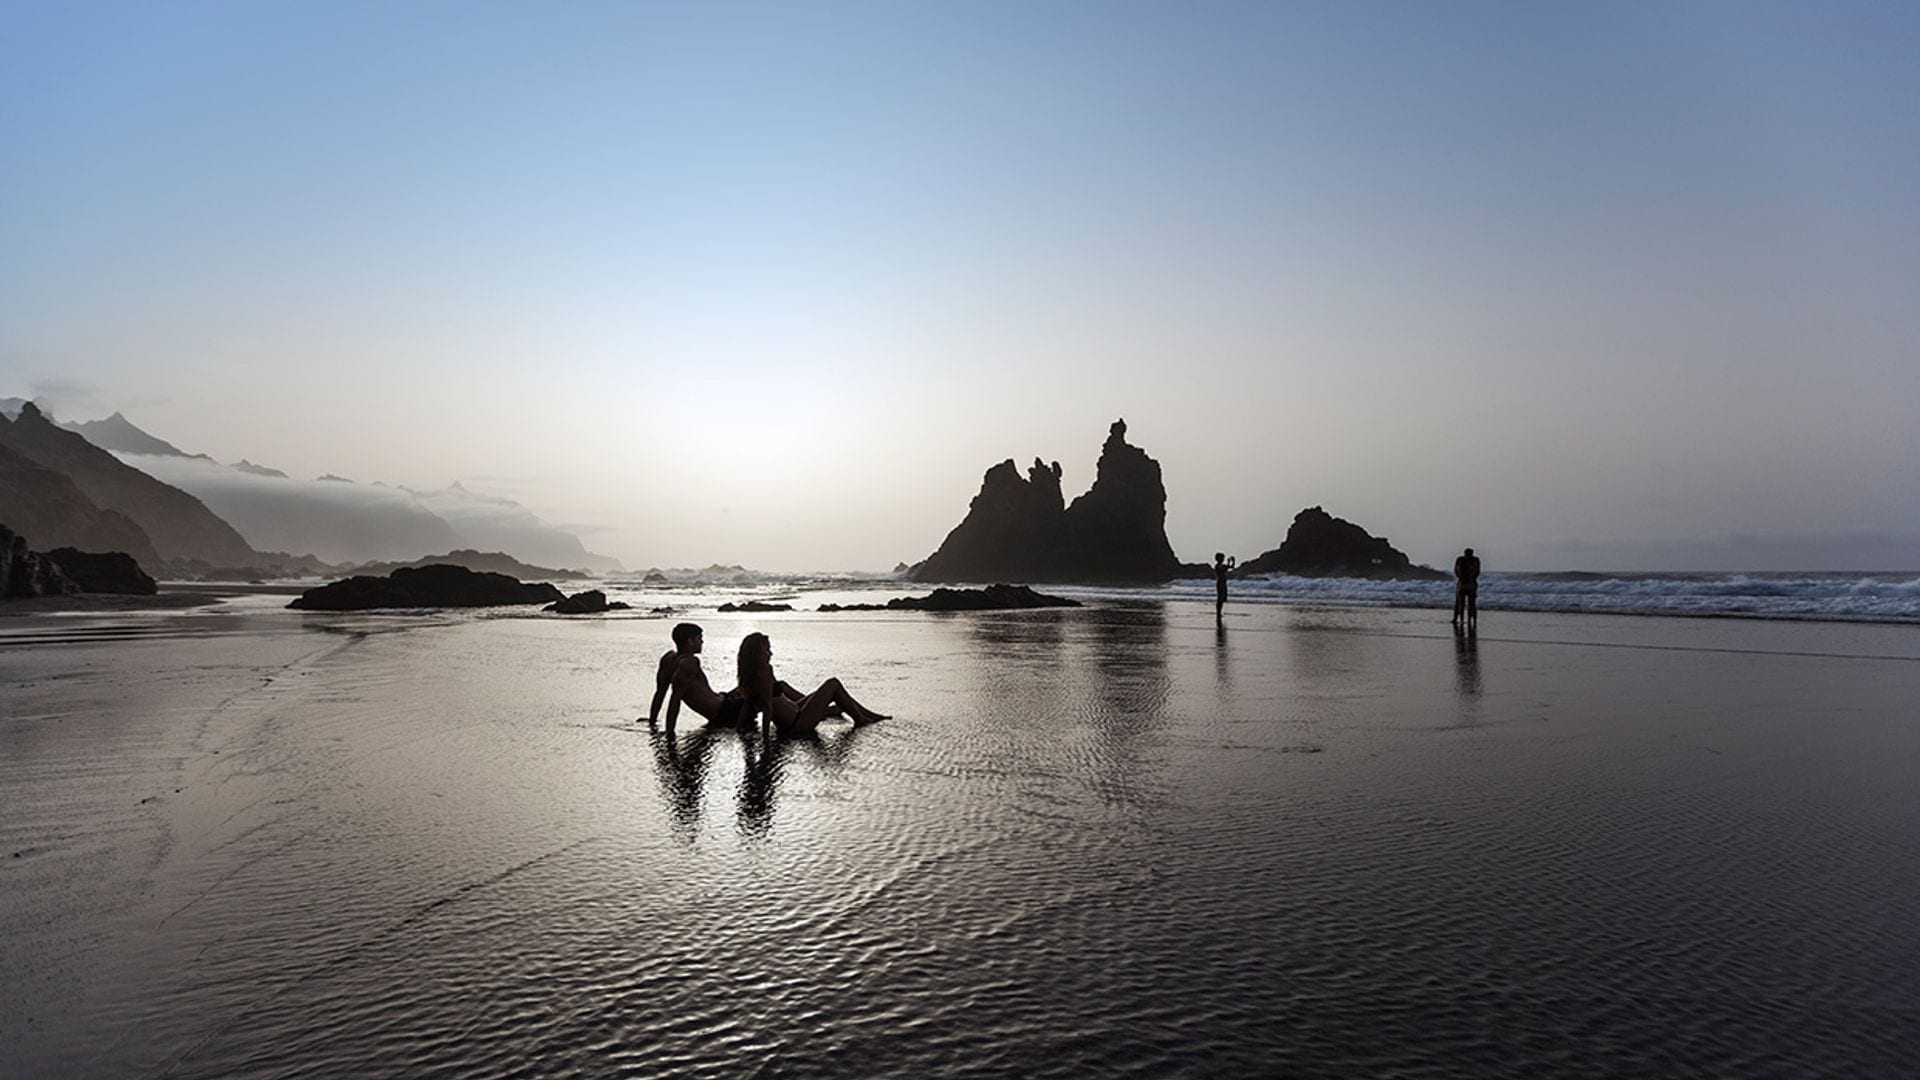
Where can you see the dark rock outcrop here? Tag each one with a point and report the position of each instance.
(591, 602)
(755, 605)
(1321, 545)
(25, 573)
(178, 525)
(991, 598)
(1020, 530)
(103, 572)
(654, 577)
(424, 587)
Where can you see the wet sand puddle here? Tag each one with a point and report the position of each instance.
(1117, 840)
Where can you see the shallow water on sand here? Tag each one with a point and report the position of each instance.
(1115, 840)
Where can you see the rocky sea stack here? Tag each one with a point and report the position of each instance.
(591, 602)
(1019, 529)
(991, 598)
(1321, 545)
(435, 586)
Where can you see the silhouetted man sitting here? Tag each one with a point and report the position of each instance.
(675, 678)
(680, 674)
(1466, 588)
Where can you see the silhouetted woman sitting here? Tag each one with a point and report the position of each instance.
(784, 713)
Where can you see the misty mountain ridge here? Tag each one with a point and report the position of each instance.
(180, 526)
(480, 562)
(48, 508)
(336, 519)
(119, 434)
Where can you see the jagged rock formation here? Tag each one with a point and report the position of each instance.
(1019, 530)
(1321, 545)
(425, 587)
(25, 573)
(103, 572)
(48, 506)
(591, 602)
(178, 525)
(991, 598)
(755, 605)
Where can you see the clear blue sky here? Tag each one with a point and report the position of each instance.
(1618, 285)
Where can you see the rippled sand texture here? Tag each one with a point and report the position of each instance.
(1106, 841)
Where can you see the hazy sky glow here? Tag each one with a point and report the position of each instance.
(1629, 286)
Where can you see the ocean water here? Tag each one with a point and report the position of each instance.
(1115, 840)
(1831, 596)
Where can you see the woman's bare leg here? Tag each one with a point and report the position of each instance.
(787, 691)
(815, 706)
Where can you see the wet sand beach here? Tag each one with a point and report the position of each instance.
(1117, 840)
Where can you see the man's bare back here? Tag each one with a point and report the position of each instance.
(690, 685)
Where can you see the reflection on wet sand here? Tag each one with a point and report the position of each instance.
(681, 765)
(1466, 655)
(1222, 670)
(1027, 638)
(1125, 687)
(766, 763)
(682, 771)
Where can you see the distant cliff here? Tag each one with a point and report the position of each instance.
(179, 525)
(1321, 545)
(337, 520)
(116, 432)
(49, 507)
(1019, 530)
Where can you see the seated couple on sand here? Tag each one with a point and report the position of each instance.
(787, 710)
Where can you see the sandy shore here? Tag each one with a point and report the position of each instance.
(1116, 839)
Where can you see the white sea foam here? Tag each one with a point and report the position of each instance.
(1836, 596)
